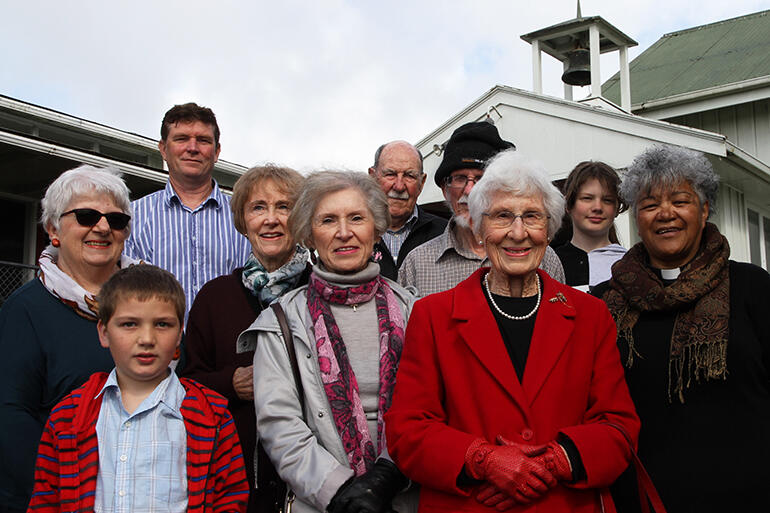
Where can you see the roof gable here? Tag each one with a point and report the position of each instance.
(699, 58)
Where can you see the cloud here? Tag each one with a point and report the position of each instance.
(308, 84)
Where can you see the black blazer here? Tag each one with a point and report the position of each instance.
(426, 228)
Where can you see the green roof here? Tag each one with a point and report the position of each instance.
(689, 60)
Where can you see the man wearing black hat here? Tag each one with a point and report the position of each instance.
(445, 261)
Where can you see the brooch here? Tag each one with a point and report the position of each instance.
(559, 297)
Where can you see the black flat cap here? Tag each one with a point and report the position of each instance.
(470, 146)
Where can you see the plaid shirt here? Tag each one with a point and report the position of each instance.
(142, 455)
(440, 264)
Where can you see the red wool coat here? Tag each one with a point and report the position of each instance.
(456, 383)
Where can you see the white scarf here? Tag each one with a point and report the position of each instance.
(69, 292)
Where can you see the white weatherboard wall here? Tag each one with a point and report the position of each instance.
(560, 133)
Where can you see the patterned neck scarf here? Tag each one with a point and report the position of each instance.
(701, 298)
(337, 374)
(66, 289)
(269, 285)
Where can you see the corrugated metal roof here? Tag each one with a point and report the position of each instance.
(690, 60)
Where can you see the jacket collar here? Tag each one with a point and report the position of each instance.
(478, 328)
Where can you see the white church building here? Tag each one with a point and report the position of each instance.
(706, 88)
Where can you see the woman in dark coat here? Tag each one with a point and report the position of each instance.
(48, 335)
(225, 306)
(693, 334)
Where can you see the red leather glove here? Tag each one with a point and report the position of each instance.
(512, 468)
(552, 454)
(491, 497)
(557, 462)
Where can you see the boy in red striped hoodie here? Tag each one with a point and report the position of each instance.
(140, 439)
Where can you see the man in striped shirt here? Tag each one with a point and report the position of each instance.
(187, 228)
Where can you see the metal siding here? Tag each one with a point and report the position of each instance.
(707, 56)
(744, 121)
(709, 121)
(731, 219)
(727, 126)
(762, 125)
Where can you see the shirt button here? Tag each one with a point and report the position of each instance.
(127, 424)
(308, 355)
(527, 434)
(320, 414)
(123, 457)
(121, 493)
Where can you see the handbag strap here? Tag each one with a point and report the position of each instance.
(648, 495)
(288, 341)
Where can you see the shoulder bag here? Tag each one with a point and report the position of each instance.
(288, 341)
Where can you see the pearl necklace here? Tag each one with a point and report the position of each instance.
(509, 316)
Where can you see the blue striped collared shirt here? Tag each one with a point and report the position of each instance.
(395, 239)
(194, 245)
(142, 455)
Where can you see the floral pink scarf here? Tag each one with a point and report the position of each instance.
(337, 374)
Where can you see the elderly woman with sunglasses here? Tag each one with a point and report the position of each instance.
(510, 390)
(48, 337)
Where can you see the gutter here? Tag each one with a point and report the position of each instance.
(81, 156)
(702, 94)
(90, 127)
(756, 167)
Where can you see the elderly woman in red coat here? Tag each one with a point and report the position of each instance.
(510, 391)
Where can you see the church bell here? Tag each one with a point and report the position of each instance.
(578, 72)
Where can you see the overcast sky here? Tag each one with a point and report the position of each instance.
(307, 84)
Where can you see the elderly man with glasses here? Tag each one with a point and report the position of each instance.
(398, 171)
(446, 260)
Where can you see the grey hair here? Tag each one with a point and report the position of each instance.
(321, 183)
(382, 147)
(666, 166)
(513, 173)
(81, 181)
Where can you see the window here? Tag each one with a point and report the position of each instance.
(759, 238)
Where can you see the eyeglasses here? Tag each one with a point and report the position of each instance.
(460, 181)
(407, 176)
(90, 217)
(504, 218)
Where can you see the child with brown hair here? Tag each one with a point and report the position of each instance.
(593, 203)
(140, 439)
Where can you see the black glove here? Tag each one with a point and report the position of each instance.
(371, 492)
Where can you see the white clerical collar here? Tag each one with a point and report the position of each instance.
(670, 274)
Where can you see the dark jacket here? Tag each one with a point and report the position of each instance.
(222, 310)
(710, 453)
(48, 351)
(426, 228)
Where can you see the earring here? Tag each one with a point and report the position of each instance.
(55, 242)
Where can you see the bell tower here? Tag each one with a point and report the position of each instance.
(578, 43)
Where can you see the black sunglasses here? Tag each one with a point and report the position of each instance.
(89, 217)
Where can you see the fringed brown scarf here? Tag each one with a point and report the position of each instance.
(700, 296)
